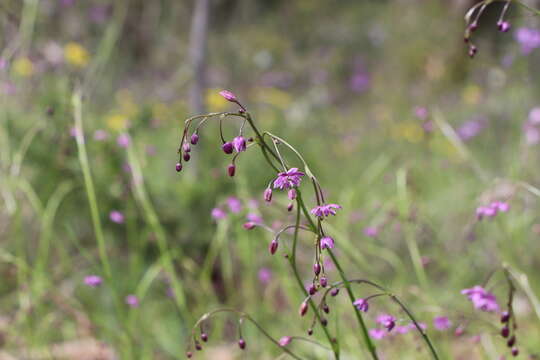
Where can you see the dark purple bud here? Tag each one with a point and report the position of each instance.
(242, 344)
(312, 289)
(334, 292)
(303, 308)
(187, 157)
(324, 322)
(250, 139)
(310, 332)
(178, 167)
(186, 147)
(198, 347)
(50, 111)
(472, 50)
(227, 147)
(273, 247)
(323, 281)
(505, 331)
(241, 111)
(515, 351)
(317, 268)
(325, 308)
(204, 337)
(231, 170)
(511, 342)
(292, 194)
(290, 206)
(189, 354)
(249, 225)
(194, 139)
(505, 316)
(503, 26)
(473, 26)
(267, 195)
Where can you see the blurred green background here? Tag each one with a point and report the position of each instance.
(403, 130)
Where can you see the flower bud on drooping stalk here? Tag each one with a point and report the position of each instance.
(310, 331)
(187, 156)
(249, 225)
(515, 352)
(334, 292)
(178, 167)
(303, 308)
(273, 247)
(323, 281)
(227, 147)
(242, 344)
(290, 207)
(291, 194)
(325, 308)
(194, 139)
(239, 144)
(511, 342)
(267, 194)
(204, 337)
(198, 346)
(317, 268)
(186, 147)
(505, 317)
(189, 354)
(505, 331)
(503, 26)
(231, 169)
(312, 289)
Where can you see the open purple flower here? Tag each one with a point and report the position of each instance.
(325, 210)
(93, 280)
(387, 321)
(327, 243)
(442, 323)
(377, 334)
(361, 305)
(481, 298)
(289, 179)
(218, 214)
(132, 300)
(239, 144)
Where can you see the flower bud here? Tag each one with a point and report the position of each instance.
(503, 26)
(312, 289)
(511, 342)
(515, 351)
(273, 247)
(198, 347)
(324, 322)
(292, 194)
(186, 147)
(227, 147)
(242, 344)
(187, 157)
(323, 281)
(325, 308)
(231, 170)
(229, 96)
(310, 332)
(473, 26)
(290, 206)
(505, 331)
(194, 139)
(249, 225)
(334, 292)
(189, 354)
(317, 268)
(505, 316)
(204, 337)
(472, 51)
(303, 308)
(285, 340)
(267, 195)
(178, 167)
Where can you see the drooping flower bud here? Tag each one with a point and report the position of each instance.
(505, 316)
(303, 308)
(503, 26)
(292, 194)
(312, 289)
(273, 247)
(249, 225)
(242, 344)
(310, 332)
(189, 354)
(231, 169)
(323, 281)
(285, 340)
(290, 207)
(317, 268)
(473, 26)
(325, 308)
(267, 195)
(511, 341)
(227, 147)
(187, 156)
(505, 331)
(239, 144)
(204, 337)
(472, 50)
(178, 167)
(515, 352)
(324, 322)
(198, 347)
(229, 96)
(334, 292)
(186, 147)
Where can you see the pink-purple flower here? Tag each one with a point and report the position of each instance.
(492, 209)
(132, 300)
(93, 280)
(123, 140)
(361, 305)
(218, 214)
(234, 204)
(116, 217)
(442, 323)
(325, 210)
(481, 298)
(229, 96)
(377, 333)
(285, 340)
(289, 179)
(239, 143)
(387, 321)
(327, 242)
(371, 231)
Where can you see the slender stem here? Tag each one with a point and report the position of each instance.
(534, 11)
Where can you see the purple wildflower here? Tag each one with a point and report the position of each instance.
(442, 323)
(93, 280)
(239, 144)
(529, 39)
(250, 225)
(371, 231)
(325, 210)
(254, 218)
(387, 321)
(291, 194)
(132, 300)
(361, 305)
(532, 134)
(218, 214)
(285, 340)
(123, 140)
(267, 195)
(327, 243)
(534, 116)
(481, 298)
(288, 179)
(421, 112)
(231, 170)
(116, 217)
(227, 147)
(471, 128)
(229, 96)
(101, 135)
(234, 204)
(265, 276)
(400, 329)
(377, 334)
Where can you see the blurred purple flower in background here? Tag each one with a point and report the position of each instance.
(123, 140)
(481, 298)
(528, 38)
(254, 218)
(101, 135)
(421, 112)
(218, 214)
(234, 204)
(471, 128)
(360, 79)
(265, 275)
(116, 217)
(93, 280)
(371, 231)
(442, 323)
(532, 127)
(132, 300)
(377, 334)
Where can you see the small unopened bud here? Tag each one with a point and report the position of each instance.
(242, 344)
(267, 195)
(312, 289)
(285, 340)
(290, 206)
(505, 331)
(317, 268)
(194, 139)
(459, 330)
(249, 225)
(515, 351)
(186, 147)
(227, 147)
(472, 50)
(178, 167)
(250, 139)
(310, 332)
(334, 292)
(511, 342)
(503, 26)
(229, 96)
(324, 322)
(231, 170)
(273, 247)
(187, 157)
(292, 194)
(505, 316)
(303, 308)
(473, 26)
(323, 281)
(204, 337)
(198, 347)
(326, 308)
(189, 354)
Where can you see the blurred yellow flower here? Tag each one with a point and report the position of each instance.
(116, 122)
(215, 101)
(442, 146)
(76, 55)
(472, 95)
(273, 96)
(23, 67)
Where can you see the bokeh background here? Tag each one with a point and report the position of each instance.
(403, 130)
